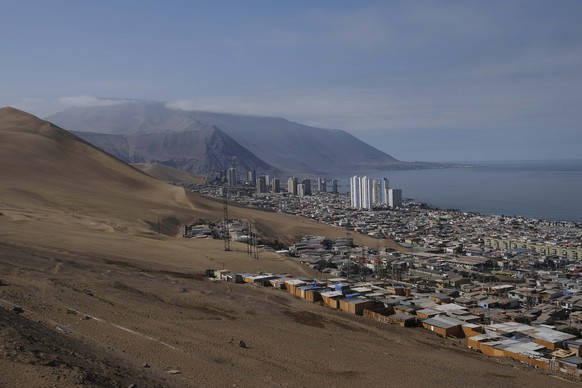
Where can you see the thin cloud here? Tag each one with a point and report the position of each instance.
(89, 101)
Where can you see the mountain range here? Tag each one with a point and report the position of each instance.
(200, 142)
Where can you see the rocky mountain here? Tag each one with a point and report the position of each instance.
(201, 150)
(151, 131)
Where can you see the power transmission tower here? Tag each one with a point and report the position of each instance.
(225, 231)
(255, 249)
(249, 240)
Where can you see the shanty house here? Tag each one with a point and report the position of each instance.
(444, 326)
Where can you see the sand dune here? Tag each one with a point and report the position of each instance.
(55, 175)
(108, 301)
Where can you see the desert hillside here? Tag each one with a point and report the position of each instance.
(56, 176)
(91, 294)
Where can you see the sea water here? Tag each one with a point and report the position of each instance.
(550, 190)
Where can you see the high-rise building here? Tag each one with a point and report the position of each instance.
(261, 185)
(380, 196)
(300, 190)
(355, 192)
(334, 186)
(292, 185)
(222, 176)
(366, 192)
(376, 192)
(321, 185)
(276, 185)
(251, 177)
(231, 177)
(306, 185)
(395, 198)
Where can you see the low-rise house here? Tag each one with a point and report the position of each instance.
(501, 289)
(546, 295)
(444, 326)
(292, 285)
(525, 295)
(263, 280)
(495, 345)
(472, 329)
(464, 301)
(332, 298)
(310, 292)
(575, 346)
(549, 338)
(279, 283)
(571, 365)
(427, 313)
(404, 320)
(465, 317)
(356, 305)
(441, 298)
(398, 290)
(450, 307)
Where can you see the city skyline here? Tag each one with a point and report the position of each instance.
(446, 81)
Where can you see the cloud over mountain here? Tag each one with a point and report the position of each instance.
(262, 143)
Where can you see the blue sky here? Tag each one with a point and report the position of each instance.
(420, 80)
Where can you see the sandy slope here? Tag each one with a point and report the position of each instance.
(49, 172)
(103, 293)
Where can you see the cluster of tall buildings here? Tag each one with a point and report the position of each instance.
(303, 187)
(265, 183)
(366, 193)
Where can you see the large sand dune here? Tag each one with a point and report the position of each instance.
(107, 301)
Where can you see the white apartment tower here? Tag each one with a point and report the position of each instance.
(367, 193)
(355, 192)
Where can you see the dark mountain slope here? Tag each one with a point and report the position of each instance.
(285, 145)
(202, 150)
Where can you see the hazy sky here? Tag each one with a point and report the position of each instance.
(421, 80)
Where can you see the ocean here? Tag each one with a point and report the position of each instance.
(550, 190)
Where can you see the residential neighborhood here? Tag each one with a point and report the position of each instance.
(509, 286)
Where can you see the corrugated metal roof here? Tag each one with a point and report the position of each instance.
(331, 294)
(443, 322)
(574, 360)
(538, 332)
(401, 316)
